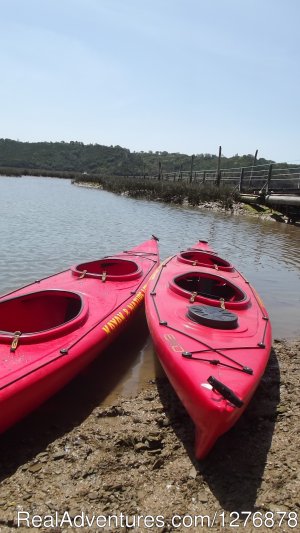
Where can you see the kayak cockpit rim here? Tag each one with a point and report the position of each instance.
(108, 269)
(210, 289)
(42, 315)
(204, 258)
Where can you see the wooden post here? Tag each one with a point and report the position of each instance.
(159, 170)
(204, 176)
(253, 165)
(180, 173)
(218, 181)
(241, 180)
(192, 166)
(269, 179)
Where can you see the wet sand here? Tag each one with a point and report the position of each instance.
(99, 450)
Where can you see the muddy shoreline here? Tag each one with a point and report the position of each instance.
(77, 457)
(236, 208)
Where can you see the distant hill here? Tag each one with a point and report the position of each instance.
(106, 160)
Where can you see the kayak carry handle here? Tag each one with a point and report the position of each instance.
(225, 391)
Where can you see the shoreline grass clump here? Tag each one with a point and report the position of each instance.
(39, 173)
(177, 192)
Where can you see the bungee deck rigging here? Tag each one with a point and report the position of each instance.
(189, 354)
(227, 328)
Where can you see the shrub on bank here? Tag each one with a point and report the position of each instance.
(19, 172)
(169, 191)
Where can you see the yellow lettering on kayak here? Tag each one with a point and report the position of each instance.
(123, 315)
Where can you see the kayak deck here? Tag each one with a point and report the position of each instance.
(50, 330)
(213, 337)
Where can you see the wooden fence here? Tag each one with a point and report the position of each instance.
(254, 179)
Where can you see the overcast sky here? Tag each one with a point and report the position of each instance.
(176, 75)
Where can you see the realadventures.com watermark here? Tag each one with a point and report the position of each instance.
(222, 519)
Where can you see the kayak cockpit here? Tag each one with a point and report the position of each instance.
(210, 289)
(42, 312)
(109, 269)
(204, 259)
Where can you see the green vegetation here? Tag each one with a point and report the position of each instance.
(52, 159)
(18, 172)
(168, 191)
(118, 170)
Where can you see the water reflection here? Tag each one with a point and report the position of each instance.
(48, 224)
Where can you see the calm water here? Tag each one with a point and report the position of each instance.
(48, 224)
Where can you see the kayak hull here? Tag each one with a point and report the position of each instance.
(212, 335)
(51, 330)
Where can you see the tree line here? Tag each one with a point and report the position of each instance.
(65, 159)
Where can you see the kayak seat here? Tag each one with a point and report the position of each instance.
(109, 269)
(72, 309)
(39, 311)
(209, 289)
(204, 259)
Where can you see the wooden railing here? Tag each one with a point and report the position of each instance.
(254, 179)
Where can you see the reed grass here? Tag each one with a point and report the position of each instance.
(176, 192)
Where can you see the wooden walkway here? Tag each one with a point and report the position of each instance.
(271, 185)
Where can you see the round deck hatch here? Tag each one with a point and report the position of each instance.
(213, 317)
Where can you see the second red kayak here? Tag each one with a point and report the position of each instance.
(50, 330)
(212, 334)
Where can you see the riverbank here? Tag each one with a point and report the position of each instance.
(135, 457)
(223, 200)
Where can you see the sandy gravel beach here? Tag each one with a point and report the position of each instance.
(78, 460)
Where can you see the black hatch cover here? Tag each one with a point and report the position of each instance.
(214, 317)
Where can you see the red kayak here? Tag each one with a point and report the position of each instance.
(50, 330)
(212, 335)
